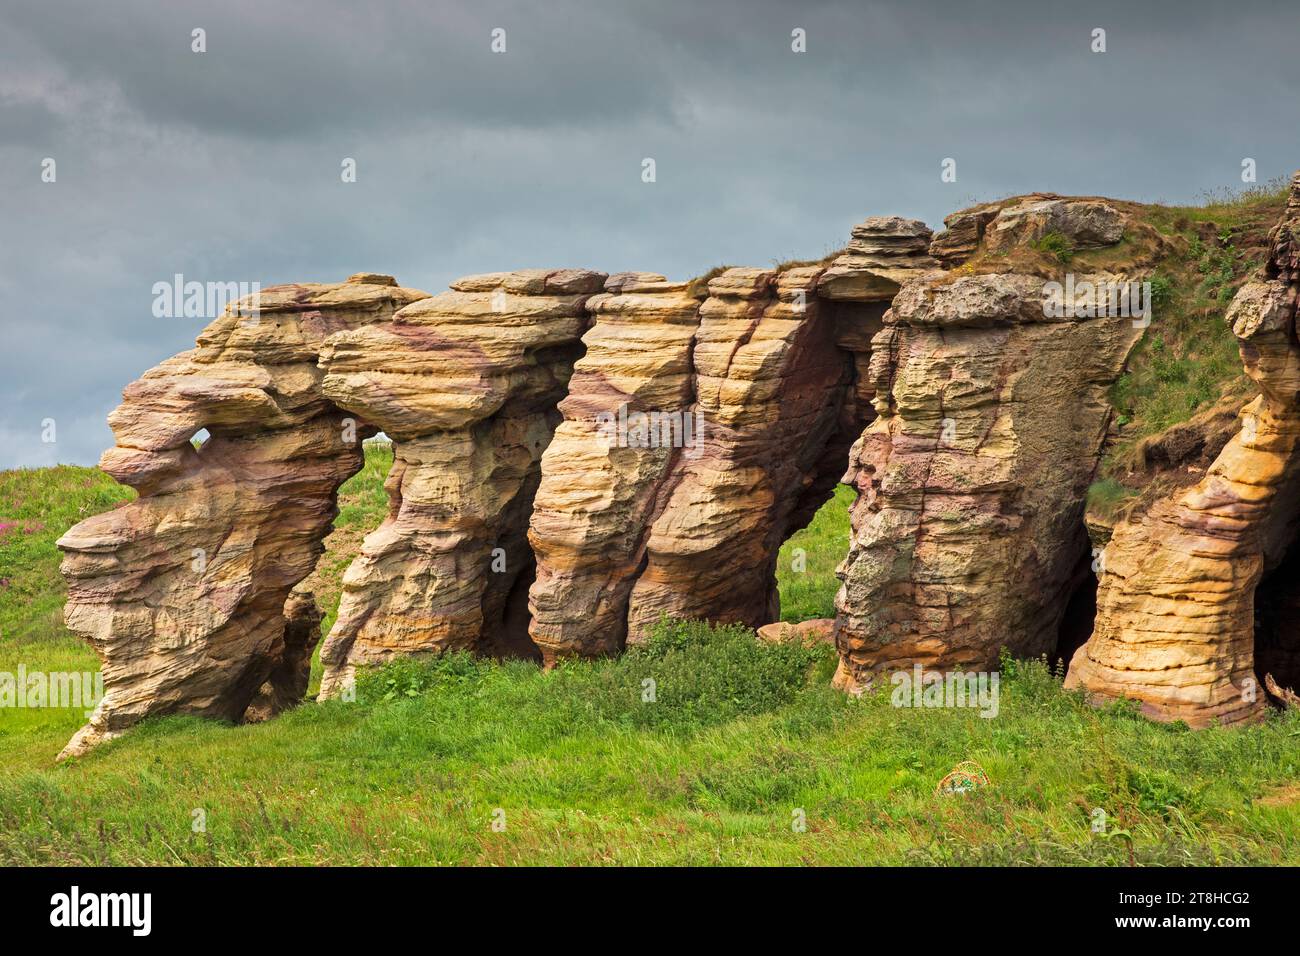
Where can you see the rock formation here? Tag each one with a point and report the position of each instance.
(883, 253)
(185, 592)
(698, 437)
(1083, 223)
(626, 421)
(466, 385)
(577, 455)
(769, 384)
(967, 533)
(1196, 600)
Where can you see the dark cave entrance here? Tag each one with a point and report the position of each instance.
(511, 640)
(811, 538)
(1277, 595)
(1277, 622)
(1079, 616)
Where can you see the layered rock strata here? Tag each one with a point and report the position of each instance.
(1186, 591)
(466, 384)
(576, 455)
(628, 418)
(883, 253)
(769, 385)
(740, 422)
(184, 593)
(967, 533)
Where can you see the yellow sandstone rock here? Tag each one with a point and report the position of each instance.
(1180, 603)
(185, 593)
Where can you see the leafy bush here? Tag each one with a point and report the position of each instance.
(1162, 291)
(1055, 245)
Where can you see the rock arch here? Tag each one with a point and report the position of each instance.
(769, 364)
(186, 593)
(466, 384)
(577, 454)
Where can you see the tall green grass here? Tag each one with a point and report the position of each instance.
(807, 561)
(1188, 358)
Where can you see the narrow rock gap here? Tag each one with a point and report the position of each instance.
(1079, 614)
(1277, 622)
(514, 642)
(849, 327)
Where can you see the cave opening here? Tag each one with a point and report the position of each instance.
(817, 529)
(1277, 623)
(1079, 614)
(511, 640)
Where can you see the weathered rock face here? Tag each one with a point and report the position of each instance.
(578, 454)
(882, 254)
(769, 385)
(183, 592)
(1000, 226)
(466, 384)
(967, 533)
(808, 633)
(1085, 224)
(626, 422)
(763, 381)
(1186, 592)
(963, 233)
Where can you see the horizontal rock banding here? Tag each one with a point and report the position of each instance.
(604, 474)
(183, 592)
(646, 452)
(769, 386)
(466, 384)
(1176, 623)
(967, 531)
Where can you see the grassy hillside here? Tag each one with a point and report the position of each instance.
(578, 767)
(1187, 363)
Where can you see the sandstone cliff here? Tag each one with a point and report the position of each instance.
(1188, 589)
(578, 454)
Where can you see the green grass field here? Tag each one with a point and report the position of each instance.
(458, 761)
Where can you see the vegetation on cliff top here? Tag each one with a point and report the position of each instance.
(1187, 363)
(1188, 358)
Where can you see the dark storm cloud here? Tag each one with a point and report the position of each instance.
(225, 165)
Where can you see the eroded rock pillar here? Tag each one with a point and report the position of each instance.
(603, 480)
(184, 593)
(967, 529)
(770, 384)
(1176, 600)
(466, 383)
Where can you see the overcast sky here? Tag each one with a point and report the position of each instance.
(226, 165)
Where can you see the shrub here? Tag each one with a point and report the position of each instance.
(1055, 245)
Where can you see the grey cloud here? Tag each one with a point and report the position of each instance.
(225, 165)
